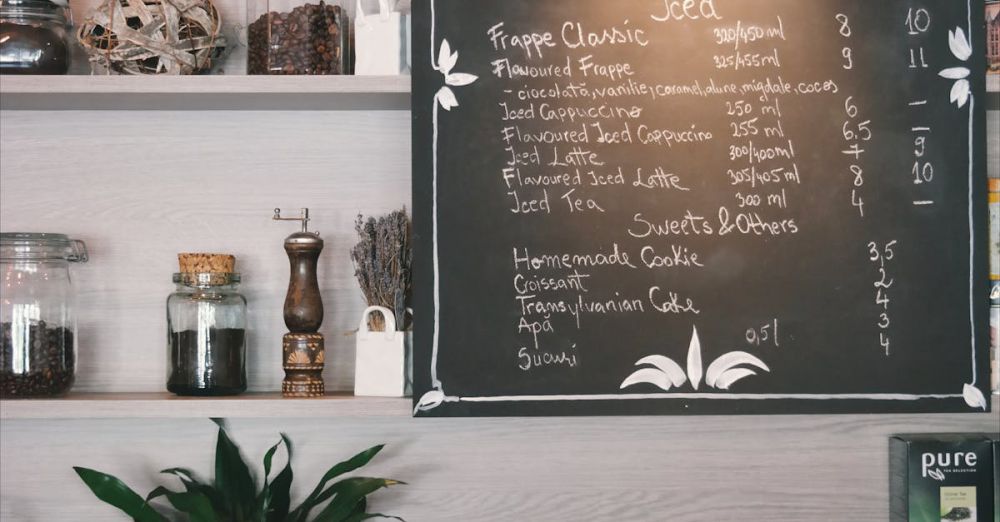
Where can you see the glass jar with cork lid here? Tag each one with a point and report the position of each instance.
(206, 328)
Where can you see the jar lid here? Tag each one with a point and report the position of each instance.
(42, 4)
(204, 270)
(211, 263)
(26, 246)
(46, 9)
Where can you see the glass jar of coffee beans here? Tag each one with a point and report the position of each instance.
(34, 37)
(297, 37)
(38, 341)
(206, 328)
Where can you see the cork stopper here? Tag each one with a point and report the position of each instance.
(207, 263)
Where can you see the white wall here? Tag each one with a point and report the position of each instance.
(141, 186)
(711, 469)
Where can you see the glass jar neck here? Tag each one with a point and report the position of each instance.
(208, 289)
(207, 280)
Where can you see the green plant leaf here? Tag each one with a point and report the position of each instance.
(360, 507)
(232, 477)
(347, 493)
(193, 484)
(267, 460)
(182, 473)
(113, 491)
(366, 516)
(264, 497)
(156, 493)
(325, 495)
(279, 492)
(315, 498)
(196, 505)
(359, 513)
(193, 502)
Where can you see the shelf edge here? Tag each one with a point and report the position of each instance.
(204, 93)
(154, 405)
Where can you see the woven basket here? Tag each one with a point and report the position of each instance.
(153, 36)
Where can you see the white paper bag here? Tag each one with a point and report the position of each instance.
(381, 362)
(379, 47)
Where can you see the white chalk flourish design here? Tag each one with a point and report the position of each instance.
(721, 374)
(445, 98)
(961, 94)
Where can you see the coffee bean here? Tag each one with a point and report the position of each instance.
(208, 362)
(307, 40)
(33, 48)
(39, 362)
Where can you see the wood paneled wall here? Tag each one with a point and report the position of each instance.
(806, 468)
(139, 187)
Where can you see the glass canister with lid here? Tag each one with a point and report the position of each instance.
(206, 323)
(38, 345)
(34, 37)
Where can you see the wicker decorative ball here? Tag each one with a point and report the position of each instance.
(153, 36)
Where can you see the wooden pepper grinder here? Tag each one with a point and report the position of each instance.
(302, 346)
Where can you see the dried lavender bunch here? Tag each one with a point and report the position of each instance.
(383, 262)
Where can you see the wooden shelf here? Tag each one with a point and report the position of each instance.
(165, 405)
(204, 92)
(248, 405)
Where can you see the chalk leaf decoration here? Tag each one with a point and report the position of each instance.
(974, 397)
(445, 63)
(962, 50)
(694, 359)
(721, 373)
(665, 373)
(429, 401)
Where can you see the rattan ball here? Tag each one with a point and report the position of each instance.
(153, 36)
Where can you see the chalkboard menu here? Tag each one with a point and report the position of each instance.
(699, 207)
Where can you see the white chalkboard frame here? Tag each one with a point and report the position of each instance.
(443, 60)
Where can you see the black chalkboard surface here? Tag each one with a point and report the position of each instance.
(699, 206)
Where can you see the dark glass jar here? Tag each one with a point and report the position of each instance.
(38, 340)
(34, 38)
(206, 338)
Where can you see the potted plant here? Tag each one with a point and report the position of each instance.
(233, 495)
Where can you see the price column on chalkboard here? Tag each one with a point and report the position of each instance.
(917, 23)
(855, 131)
